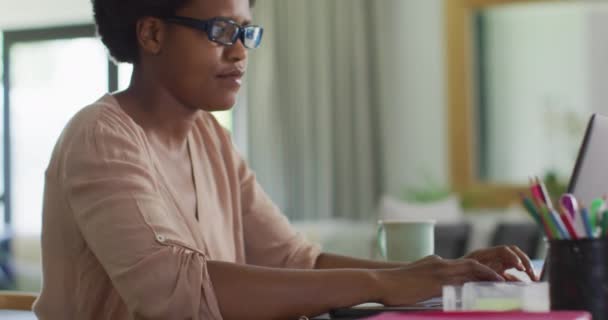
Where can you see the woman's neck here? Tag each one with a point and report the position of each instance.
(165, 119)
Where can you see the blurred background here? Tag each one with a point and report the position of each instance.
(353, 111)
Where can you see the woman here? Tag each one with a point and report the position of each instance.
(150, 213)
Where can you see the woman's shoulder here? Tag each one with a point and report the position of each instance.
(96, 127)
(102, 120)
(104, 113)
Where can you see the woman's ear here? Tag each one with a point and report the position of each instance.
(150, 32)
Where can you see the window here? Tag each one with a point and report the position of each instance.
(52, 76)
(50, 81)
(49, 74)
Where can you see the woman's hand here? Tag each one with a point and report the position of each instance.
(502, 258)
(425, 278)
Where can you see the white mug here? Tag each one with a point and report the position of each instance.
(406, 240)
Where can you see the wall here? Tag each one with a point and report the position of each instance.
(412, 100)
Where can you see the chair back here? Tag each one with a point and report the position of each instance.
(526, 236)
(451, 240)
(13, 300)
(7, 272)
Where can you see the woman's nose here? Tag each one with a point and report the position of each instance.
(236, 52)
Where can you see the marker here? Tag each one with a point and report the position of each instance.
(568, 201)
(568, 223)
(595, 210)
(604, 224)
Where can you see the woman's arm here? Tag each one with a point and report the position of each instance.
(334, 261)
(250, 292)
(499, 258)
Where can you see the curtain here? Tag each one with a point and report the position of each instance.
(311, 118)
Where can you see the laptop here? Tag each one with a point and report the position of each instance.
(589, 179)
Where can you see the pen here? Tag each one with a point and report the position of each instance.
(547, 228)
(558, 224)
(537, 194)
(531, 209)
(586, 222)
(550, 232)
(553, 228)
(545, 195)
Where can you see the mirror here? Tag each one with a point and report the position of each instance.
(524, 78)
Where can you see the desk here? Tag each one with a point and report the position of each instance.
(483, 315)
(322, 317)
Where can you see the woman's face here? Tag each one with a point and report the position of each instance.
(200, 73)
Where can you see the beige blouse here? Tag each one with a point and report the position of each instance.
(115, 244)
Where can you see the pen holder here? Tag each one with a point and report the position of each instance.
(578, 275)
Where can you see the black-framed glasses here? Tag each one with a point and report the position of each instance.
(223, 30)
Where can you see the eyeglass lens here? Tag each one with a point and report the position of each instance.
(226, 33)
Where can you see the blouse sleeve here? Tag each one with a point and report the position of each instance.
(111, 189)
(270, 240)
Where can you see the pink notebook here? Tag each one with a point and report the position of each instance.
(555, 315)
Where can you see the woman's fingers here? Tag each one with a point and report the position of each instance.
(474, 271)
(514, 257)
(509, 258)
(485, 273)
(511, 278)
(526, 262)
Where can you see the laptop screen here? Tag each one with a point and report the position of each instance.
(589, 179)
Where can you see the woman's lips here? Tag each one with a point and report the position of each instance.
(232, 78)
